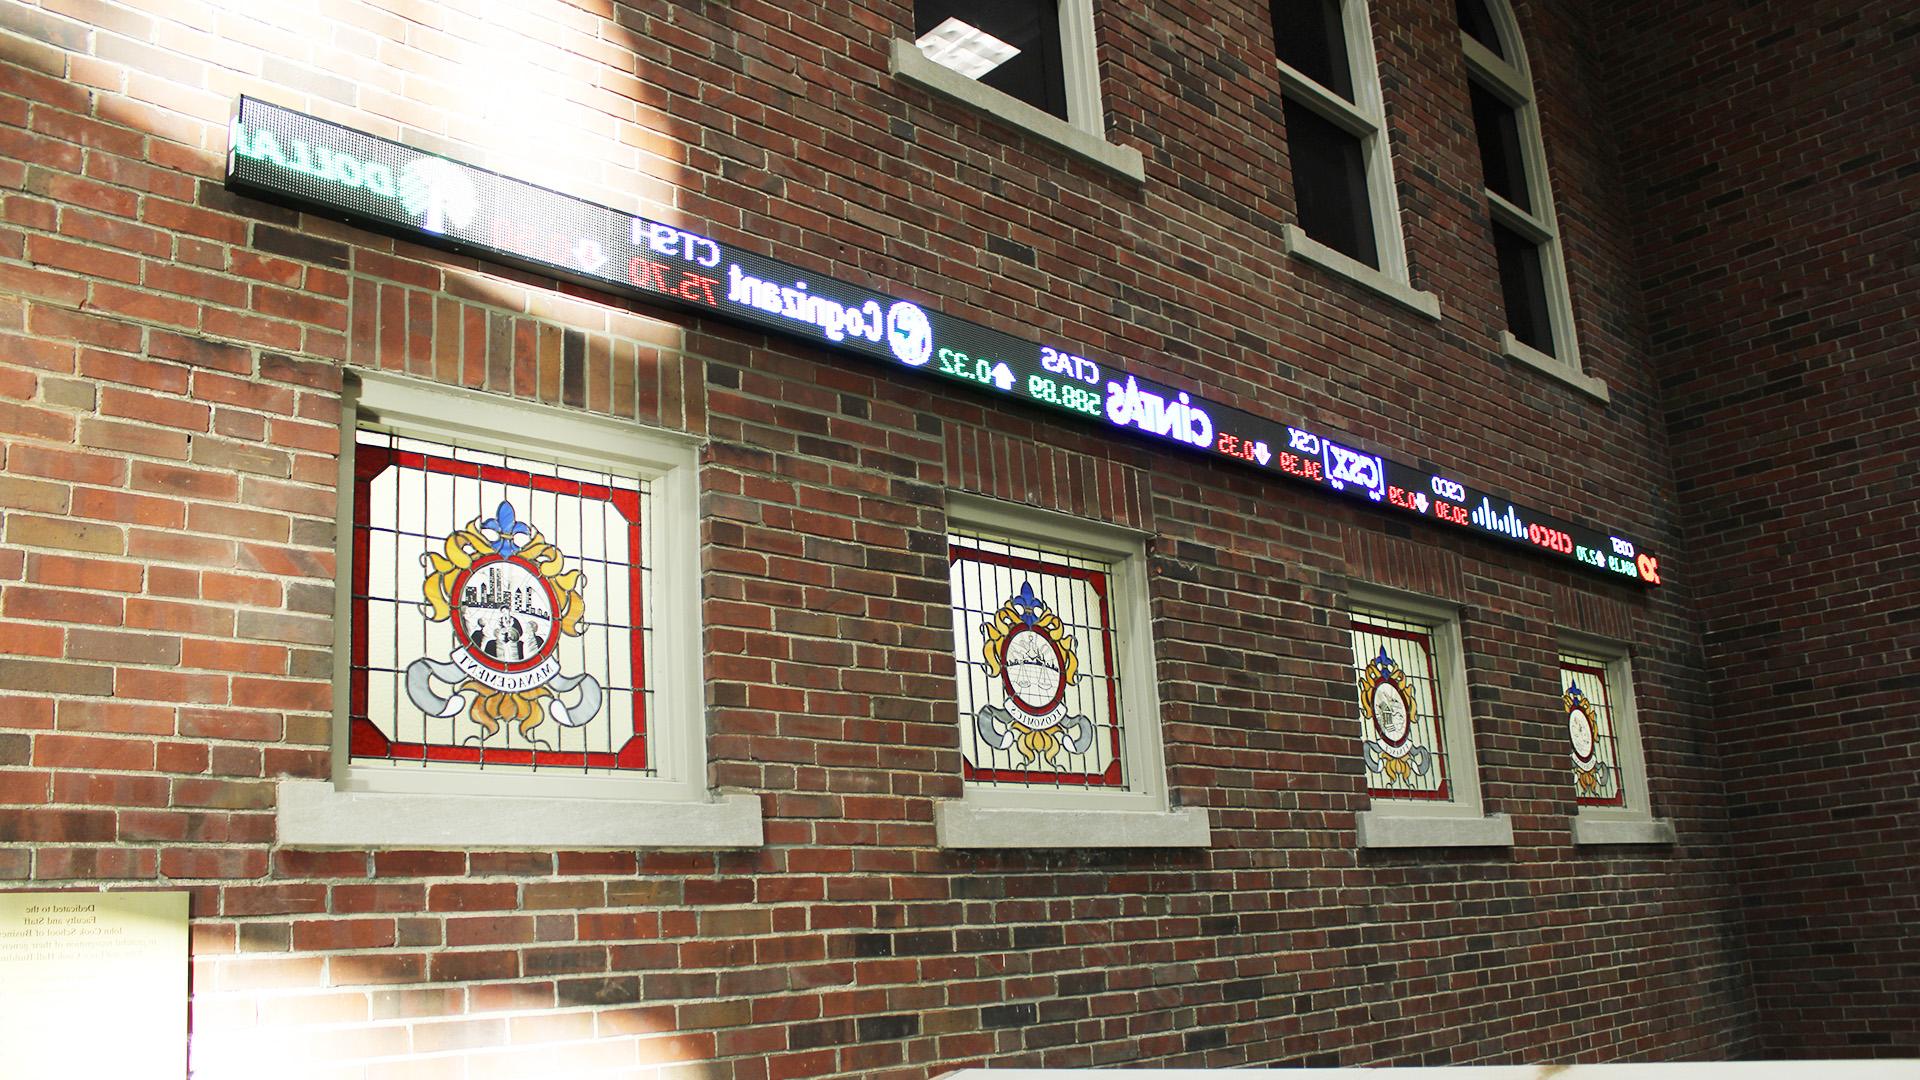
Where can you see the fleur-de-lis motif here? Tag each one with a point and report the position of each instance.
(507, 529)
(1028, 604)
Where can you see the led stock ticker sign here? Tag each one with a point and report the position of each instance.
(289, 157)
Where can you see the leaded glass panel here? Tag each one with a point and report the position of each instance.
(1330, 183)
(1503, 157)
(1593, 741)
(1523, 286)
(1477, 21)
(1034, 661)
(501, 612)
(1402, 724)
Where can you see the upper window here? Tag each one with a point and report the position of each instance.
(518, 616)
(1336, 132)
(1416, 736)
(1513, 160)
(1012, 46)
(1608, 768)
(1030, 63)
(1054, 677)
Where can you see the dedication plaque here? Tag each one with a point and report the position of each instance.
(94, 984)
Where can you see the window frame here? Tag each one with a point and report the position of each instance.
(1511, 82)
(381, 806)
(1633, 821)
(1364, 118)
(990, 816)
(1460, 821)
(1084, 130)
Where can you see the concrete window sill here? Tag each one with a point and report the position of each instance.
(908, 62)
(314, 813)
(1514, 349)
(1302, 246)
(965, 826)
(1592, 829)
(1388, 829)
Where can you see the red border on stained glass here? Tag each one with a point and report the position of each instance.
(365, 741)
(1425, 641)
(1111, 776)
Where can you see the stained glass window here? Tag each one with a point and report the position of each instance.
(1035, 662)
(502, 609)
(1592, 732)
(1401, 707)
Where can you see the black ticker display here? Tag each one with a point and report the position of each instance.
(292, 158)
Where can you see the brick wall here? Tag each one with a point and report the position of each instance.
(169, 377)
(1779, 167)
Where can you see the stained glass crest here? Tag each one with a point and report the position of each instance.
(1034, 660)
(1032, 655)
(500, 611)
(1399, 700)
(1592, 745)
(511, 599)
(1387, 702)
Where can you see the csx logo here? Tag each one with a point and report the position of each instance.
(1346, 466)
(1448, 489)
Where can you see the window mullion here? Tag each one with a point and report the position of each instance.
(1527, 225)
(1506, 81)
(1328, 105)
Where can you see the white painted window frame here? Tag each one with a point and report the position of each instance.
(1084, 132)
(1365, 117)
(991, 816)
(380, 806)
(1512, 83)
(1459, 821)
(1632, 822)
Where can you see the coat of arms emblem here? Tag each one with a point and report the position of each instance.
(500, 610)
(1583, 734)
(510, 598)
(1030, 653)
(1387, 703)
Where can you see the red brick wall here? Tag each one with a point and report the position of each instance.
(1780, 171)
(169, 373)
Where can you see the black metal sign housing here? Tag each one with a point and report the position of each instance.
(292, 158)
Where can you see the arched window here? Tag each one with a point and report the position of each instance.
(1533, 276)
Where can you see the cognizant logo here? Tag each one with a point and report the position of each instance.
(434, 191)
